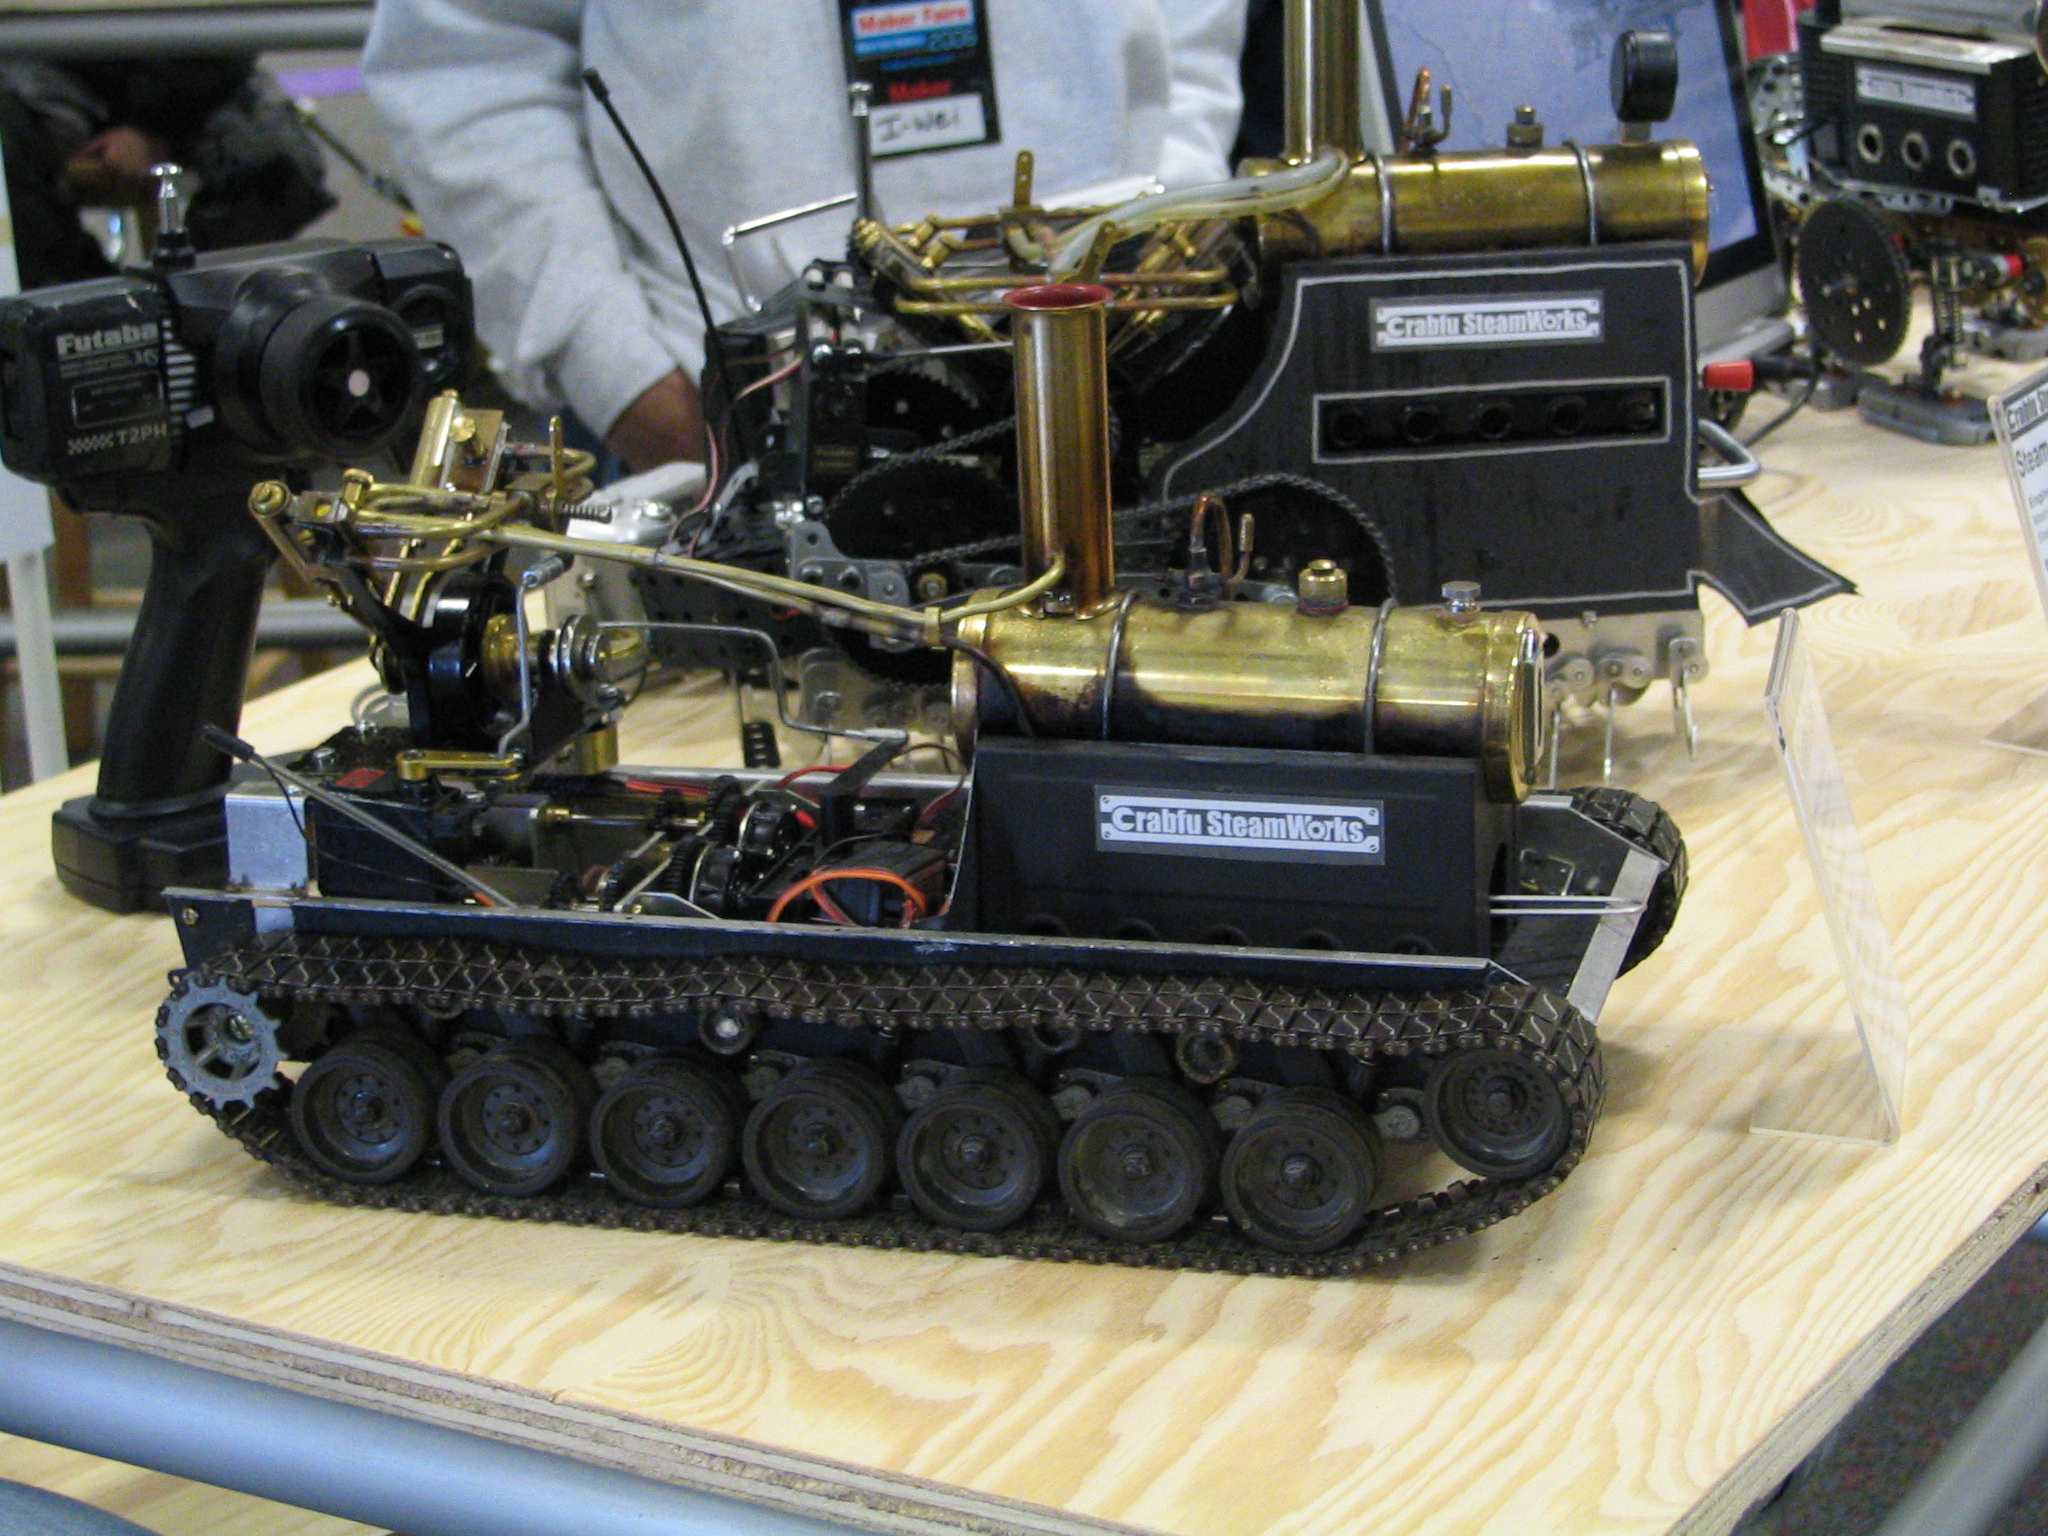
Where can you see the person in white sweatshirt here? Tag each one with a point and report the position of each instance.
(742, 110)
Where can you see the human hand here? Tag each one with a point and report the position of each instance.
(665, 424)
(111, 169)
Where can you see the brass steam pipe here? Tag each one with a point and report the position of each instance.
(1062, 372)
(271, 503)
(1324, 108)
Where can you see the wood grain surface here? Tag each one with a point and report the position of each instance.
(1651, 1348)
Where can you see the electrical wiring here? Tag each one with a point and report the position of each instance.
(914, 904)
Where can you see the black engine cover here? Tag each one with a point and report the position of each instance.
(1520, 419)
(1223, 845)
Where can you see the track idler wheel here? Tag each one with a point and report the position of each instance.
(364, 1112)
(667, 1133)
(1496, 1112)
(513, 1122)
(1140, 1162)
(821, 1143)
(977, 1154)
(1301, 1173)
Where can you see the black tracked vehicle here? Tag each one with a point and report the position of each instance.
(1222, 921)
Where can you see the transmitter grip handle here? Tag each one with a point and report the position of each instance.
(158, 819)
(188, 664)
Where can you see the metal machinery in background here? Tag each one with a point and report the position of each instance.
(1426, 366)
(1240, 921)
(1906, 138)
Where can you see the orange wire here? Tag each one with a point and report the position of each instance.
(817, 878)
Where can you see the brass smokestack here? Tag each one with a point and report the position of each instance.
(1323, 103)
(1063, 441)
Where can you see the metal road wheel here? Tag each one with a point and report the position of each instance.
(1300, 1175)
(976, 1154)
(1140, 1162)
(364, 1112)
(666, 1133)
(512, 1122)
(820, 1144)
(1496, 1113)
(219, 1043)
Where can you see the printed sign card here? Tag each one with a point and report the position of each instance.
(2020, 418)
(1846, 1084)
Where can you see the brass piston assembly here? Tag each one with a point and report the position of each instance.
(1089, 661)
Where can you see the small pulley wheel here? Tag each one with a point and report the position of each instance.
(1140, 1162)
(512, 1122)
(1854, 282)
(1301, 1173)
(364, 1112)
(1496, 1112)
(978, 1152)
(666, 1133)
(821, 1143)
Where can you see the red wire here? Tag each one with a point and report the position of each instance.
(932, 810)
(774, 378)
(804, 887)
(657, 787)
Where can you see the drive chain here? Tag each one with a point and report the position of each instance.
(447, 974)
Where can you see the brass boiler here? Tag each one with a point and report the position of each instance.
(1501, 199)
(1090, 661)
(1424, 202)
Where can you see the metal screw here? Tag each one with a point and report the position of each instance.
(189, 916)
(1461, 596)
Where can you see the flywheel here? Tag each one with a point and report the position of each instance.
(1854, 281)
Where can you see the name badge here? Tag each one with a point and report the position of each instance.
(929, 70)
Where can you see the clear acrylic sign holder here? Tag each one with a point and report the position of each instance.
(2020, 418)
(1849, 1083)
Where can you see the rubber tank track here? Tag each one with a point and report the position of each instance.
(446, 973)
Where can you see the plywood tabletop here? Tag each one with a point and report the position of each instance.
(1649, 1349)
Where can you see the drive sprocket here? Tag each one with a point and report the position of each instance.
(218, 1043)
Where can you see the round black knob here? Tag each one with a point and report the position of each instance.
(1644, 76)
(339, 377)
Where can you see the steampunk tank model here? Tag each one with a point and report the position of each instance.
(1239, 914)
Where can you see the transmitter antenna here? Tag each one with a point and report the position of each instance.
(714, 351)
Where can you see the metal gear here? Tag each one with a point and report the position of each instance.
(934, 409)
(905, 508)
(218, 1043)
(1854, 281)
